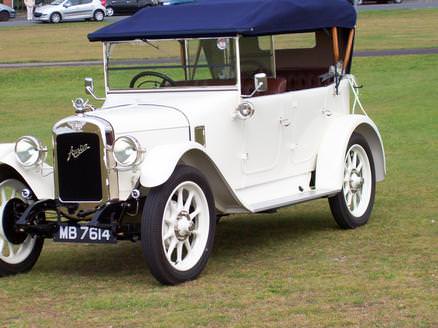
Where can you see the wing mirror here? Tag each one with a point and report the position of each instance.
(67, 4)
(89, 88)
(260, 84)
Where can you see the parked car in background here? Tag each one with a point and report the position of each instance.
(127, 6)
(68, 10)
(6, 13)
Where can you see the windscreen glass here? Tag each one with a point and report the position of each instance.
(151, 64)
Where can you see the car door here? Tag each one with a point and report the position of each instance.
(87, 8)
(265, 135)
(72, 9)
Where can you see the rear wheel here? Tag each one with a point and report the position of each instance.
(18, 251)
(98, 15)
(178, 226)
(55, 18)
(109, 11)
(352, 206)
(4, 16)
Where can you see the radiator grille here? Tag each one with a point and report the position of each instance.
(79, 167)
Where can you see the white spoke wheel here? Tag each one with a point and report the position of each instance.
(178, 226)
(352, 206)
(18, 251)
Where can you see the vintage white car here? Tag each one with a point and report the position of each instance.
(211, 108)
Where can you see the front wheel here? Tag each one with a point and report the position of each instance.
(55, 18)
(178, 226)
(18, 251)
(352, 206)
(98, 15)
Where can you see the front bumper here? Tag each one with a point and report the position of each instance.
(109, 216)
(12, 14)
(41, 17)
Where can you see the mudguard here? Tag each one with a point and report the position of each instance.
(331, 154)
(160, 162)
(39, 179)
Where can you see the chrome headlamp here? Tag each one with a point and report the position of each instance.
(29, 151)
(127, 151)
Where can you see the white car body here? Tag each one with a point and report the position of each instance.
(193, 128)
(69, 10)
(255, 164)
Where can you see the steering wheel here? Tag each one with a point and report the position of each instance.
(156, 79)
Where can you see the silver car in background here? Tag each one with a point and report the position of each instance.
(6, 12)
(66, 10)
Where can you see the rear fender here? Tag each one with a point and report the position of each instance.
(331, 154)
(39, 179)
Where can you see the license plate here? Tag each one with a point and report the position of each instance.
(84, 234)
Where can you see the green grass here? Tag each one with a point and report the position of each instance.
(389, 29)
(397, 29)
(294, 268)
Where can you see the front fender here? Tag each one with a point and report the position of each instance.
(39, 179)
(331, 154)
(160, 162)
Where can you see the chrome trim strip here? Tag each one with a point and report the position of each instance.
(109, 176)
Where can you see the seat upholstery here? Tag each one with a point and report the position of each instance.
(304, 78)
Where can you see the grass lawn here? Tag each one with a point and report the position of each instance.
(294, 268)
(388, 29)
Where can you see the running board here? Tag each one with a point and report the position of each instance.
(290, 200)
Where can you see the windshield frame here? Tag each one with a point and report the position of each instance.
(231, 87)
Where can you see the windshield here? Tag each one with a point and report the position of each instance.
(57, 2)
(151, 64)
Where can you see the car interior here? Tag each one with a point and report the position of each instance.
(291, 66)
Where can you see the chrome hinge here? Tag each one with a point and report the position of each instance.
(284, 121)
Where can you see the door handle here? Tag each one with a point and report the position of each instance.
(285, 122)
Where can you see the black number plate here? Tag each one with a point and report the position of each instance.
(84, 234)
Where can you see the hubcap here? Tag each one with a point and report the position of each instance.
(15, 247)
(186, 225)
(357, 180)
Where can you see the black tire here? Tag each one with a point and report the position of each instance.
(109, 11)
(4, 16)
(55, 18)
(98, 15)
(338, 205)
(152, 221)
(7, 269)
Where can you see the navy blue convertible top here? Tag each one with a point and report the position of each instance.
(216, 18)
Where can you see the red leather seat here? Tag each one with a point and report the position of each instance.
(275, 85)
(304, 78)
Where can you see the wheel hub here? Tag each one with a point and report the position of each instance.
(11, 213)
(356, 181)
(184, 226)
